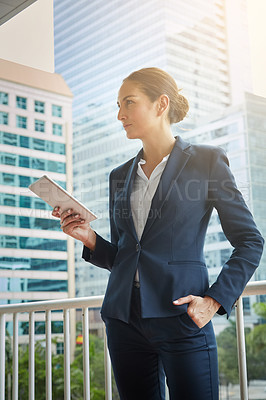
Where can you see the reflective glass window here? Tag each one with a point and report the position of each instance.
(32, 162)
(13, 200)
(60, 348)
(29, 222)
(21, 122)
(9, 220)
(21, 102)
(39, 125)
(32, 285)
(20, 242)
(39, 106)
(25, 201)
(24, 141)
(3, 118)
(31, 143)
(8, 159)
(20, 180)
(57, 129)
(35, 264)
(56, 111)
(4, 98)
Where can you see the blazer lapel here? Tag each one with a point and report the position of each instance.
(175, 164)
(127, 191)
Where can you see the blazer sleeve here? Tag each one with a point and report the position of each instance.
(241, 231)
(104, 254)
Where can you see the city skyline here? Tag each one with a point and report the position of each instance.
(94, 56)
(37, 50)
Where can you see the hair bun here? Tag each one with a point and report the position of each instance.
(178, 108)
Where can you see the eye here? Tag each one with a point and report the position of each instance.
(129, 102)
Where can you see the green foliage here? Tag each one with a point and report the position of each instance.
(227, 354)
(255, 350)
(260, 309)
(97, 380)
(256, 347)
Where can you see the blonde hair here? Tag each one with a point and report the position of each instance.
(154, 82)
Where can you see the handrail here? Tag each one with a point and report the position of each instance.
(61, 304)
(252, 288)
(47, 306)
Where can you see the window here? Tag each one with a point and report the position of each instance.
(39, 125)
(21, 102)
(39, 106)
(8, 138)
(31, 143)
(8, 159)
(21, 122)
(4, 98)
(8, 179)
(10, 220)
(56, 111)
(24, 162)
(57, 129)
(3, 118)
(60, 348)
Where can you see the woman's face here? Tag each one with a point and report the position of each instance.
(137, 113)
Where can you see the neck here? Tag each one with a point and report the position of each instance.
(156, 147)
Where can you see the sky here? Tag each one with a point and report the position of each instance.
(30, 39)
(257, 32)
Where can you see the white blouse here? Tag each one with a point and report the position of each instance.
(142, 194)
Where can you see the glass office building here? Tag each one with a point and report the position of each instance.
(98, 43)
(36, 261)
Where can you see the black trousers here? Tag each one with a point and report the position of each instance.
(147, 350)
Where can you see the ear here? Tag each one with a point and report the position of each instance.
(163, 104)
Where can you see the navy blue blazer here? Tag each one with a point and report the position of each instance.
(169, 255)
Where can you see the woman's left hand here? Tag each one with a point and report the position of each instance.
(200, 309)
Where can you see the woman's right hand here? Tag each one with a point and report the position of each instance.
(73, 225)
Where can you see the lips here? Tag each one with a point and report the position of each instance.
(125, 126)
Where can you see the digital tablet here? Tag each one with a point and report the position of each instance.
(54, 195)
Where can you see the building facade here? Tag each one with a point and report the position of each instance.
(36, 257)
(99, 43)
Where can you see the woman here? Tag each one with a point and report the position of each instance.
(158, 304)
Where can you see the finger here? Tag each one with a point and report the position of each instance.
(56, 212)
(72, 225)
(69, 218)
(66, 214)
(183, 300)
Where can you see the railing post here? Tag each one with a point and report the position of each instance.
(108, 370)
(86, 354)
(2, 355)
(15, 357)
(31, 356)
(66, 356)
(48, 356)
(242, 363)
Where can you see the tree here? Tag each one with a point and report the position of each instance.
(97, 379)
(256, 347)
(227, 354)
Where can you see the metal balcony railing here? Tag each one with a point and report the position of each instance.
(84, 303)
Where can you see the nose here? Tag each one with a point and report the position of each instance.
(120, 115)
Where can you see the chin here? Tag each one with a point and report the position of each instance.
(132, 136)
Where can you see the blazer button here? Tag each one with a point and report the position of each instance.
(137, 247)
